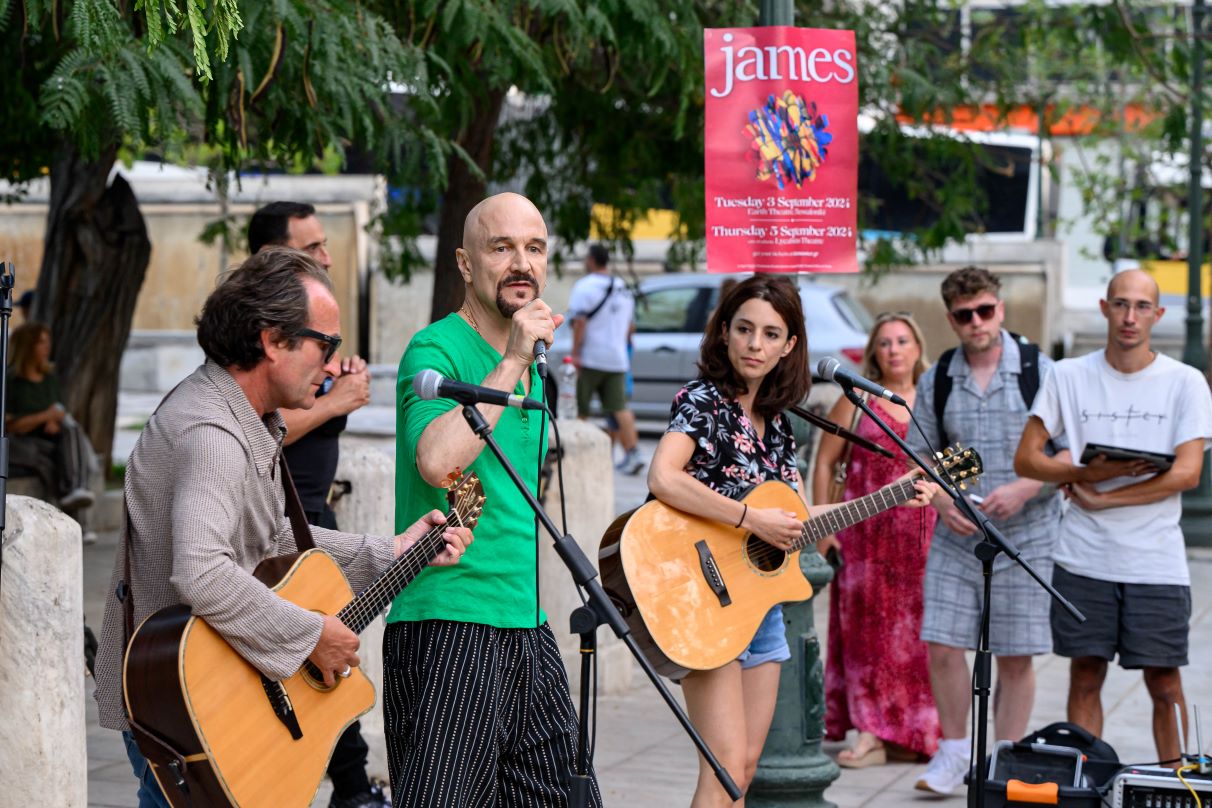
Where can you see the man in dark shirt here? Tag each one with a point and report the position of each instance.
(312, 449)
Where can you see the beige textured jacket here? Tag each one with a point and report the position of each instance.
(206, 506)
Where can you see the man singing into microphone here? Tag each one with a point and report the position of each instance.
(476, 697)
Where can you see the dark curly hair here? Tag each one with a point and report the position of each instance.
(790, 380)
(266, 292)
(967, 283)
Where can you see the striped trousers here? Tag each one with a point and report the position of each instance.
(477, 716)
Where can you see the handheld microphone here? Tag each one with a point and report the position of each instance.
(540, 358)
(831, 370)
(429, 384)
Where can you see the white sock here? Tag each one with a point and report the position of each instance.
(956, 747)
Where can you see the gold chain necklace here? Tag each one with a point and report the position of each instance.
(467, 315)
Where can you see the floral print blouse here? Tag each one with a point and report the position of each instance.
(729, 457)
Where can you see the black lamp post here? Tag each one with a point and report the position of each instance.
(1197, 503)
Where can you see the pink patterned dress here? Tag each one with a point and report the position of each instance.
(876, 676)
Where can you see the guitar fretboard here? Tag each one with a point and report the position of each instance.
(358, 613)
(855, 511)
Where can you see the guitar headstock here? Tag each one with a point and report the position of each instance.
(963, 464)
(465, 494)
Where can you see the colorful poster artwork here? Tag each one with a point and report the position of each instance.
(781, 150)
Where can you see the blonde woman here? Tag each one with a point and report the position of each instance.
(876, 678)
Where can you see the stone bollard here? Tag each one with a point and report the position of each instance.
(589, 502)
(793, 771)
(43, 760)
(369, 508)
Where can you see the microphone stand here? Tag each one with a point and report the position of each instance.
(841, 432)
(8, 278)
(986, 550)
(585, 621)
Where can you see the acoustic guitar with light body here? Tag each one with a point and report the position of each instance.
(216, 731)
(694, 590)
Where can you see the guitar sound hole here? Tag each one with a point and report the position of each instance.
(765, 557)
(313, 677)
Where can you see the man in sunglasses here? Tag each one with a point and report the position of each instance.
(312, 449)
(205, 494)
(984, 410)
(1120, 556)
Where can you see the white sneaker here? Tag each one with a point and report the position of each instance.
(89, 537)
(944, 773)
(77, 498)
(631, 463)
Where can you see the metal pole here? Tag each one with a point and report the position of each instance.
(1194, 351)
(777, 12)
(1197, 503)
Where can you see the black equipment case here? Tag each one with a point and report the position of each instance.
(1043, 769)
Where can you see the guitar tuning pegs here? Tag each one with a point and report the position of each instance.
(963, 486)
(938, 455)
(948, 452)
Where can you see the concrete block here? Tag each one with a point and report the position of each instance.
(43, 759)
(589, 502)
(369, 508)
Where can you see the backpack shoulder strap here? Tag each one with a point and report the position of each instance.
(942, 391)
(1028, 379)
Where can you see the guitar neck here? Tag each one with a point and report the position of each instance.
(358, 613)
(855, 511)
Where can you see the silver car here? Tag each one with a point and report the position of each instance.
(671, 314)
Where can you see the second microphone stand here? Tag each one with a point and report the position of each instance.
(992, 543)
(585, 621)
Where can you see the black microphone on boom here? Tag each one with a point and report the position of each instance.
(831, 370)
(429, 384)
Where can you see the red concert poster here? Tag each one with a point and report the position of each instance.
(781, 149)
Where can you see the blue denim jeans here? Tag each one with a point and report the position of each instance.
(150, 795)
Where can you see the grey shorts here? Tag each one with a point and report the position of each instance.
(952, 595)
(1145, 624)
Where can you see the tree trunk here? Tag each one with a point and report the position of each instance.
(96, 257)
(463, 192)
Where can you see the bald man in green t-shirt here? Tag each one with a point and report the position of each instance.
(476, 697)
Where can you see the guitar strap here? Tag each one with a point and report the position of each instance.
(294, 510)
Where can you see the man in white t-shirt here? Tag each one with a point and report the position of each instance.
(602, 312)
(1120, 555)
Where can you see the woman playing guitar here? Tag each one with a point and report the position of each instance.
(727, 433)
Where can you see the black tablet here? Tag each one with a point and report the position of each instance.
(1159, 460)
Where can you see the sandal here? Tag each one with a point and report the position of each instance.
(875, 756)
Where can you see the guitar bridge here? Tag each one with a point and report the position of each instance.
(280, 701)
(711, 573)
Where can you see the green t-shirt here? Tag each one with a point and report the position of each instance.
(26, 397)
(494, 582)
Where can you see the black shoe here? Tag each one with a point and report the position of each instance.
(375, 798)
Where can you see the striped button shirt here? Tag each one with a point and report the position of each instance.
(990, 421)
(206, 505)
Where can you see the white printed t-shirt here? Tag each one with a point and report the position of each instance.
(1155, 409)
(605, 344)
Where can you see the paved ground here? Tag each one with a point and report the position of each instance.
(642, 757)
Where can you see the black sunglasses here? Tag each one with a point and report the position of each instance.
(331, 343)
(964, 316)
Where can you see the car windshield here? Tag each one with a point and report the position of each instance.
(853, 312)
